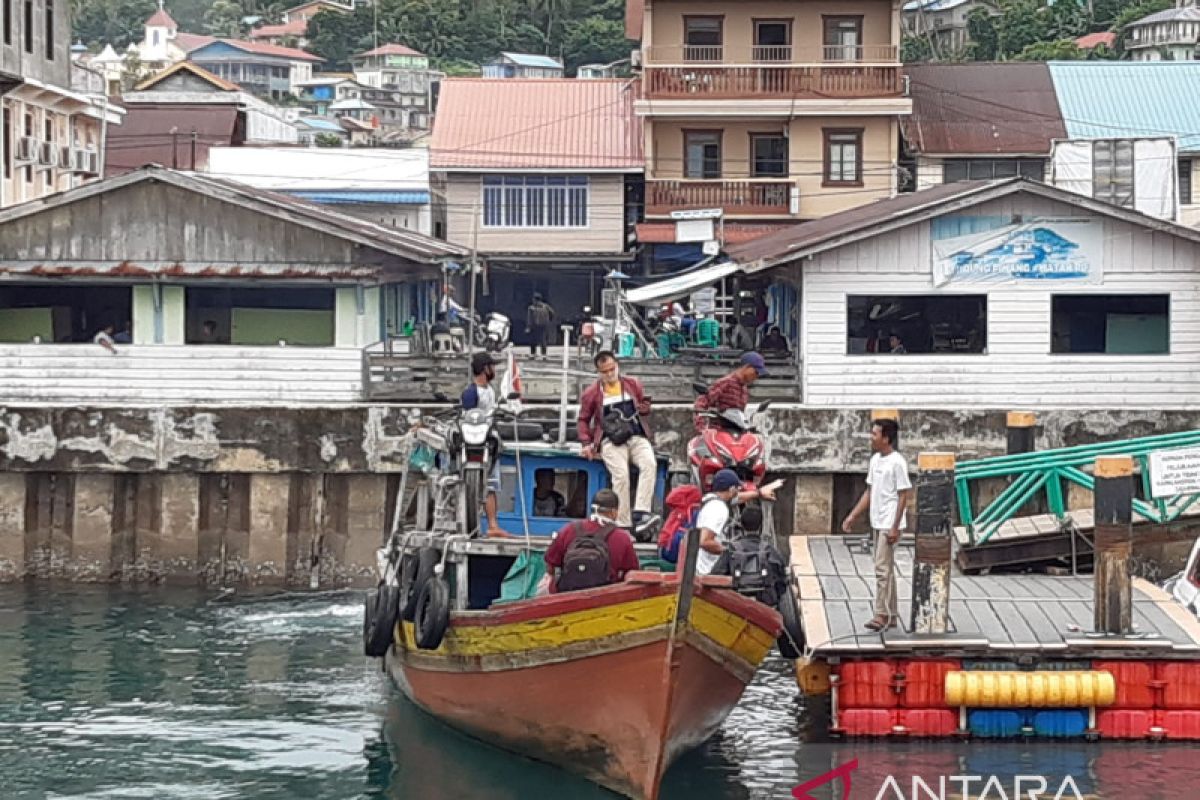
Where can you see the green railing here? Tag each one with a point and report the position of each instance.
(1043, 473)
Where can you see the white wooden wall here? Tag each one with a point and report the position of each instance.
(149, 374)
(1018, 369)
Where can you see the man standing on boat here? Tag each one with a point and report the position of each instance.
(591, 553)
(481, 394)
(612, 424)
(887, 495)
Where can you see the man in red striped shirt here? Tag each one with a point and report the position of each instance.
(732, 391)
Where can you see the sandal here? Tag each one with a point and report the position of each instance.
(876, 624)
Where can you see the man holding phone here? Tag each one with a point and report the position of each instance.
(613, 425)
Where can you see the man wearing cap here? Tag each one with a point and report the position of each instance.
(713, 518)
(732, 391)
(622, 557)
(481, 394)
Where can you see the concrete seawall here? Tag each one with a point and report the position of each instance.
(225, 494)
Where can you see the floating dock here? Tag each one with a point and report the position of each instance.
(1019, 657)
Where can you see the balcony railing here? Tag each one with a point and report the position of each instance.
(724, 73)
(754, 196)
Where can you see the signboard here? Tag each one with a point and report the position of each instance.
(1175, 472)
(698, 213)
(693, 230)
(1042, 253)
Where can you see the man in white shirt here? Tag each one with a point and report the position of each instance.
(887, 495)
(104, 338)
(713, 518)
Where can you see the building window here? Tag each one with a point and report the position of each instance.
(8, 21)
(916, 324)
(1185, 181)
(843, 157)
(769, 155)
(986, 169)
(49, 28)
(702, 154)
(772, 40)
(28, 26)
(6, 123)
(1112, 171)
(843, 38)
(531, 201)
(702, 37)
(1110, 323)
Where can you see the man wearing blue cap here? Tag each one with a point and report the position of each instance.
(713, 518)
(732, 391)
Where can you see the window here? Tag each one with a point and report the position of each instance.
(909, 324)
(6, 124)
(702, 37)
(986, 169)
(772, 40)
(154, 39)
(49, 28)
(1185, 181)
(8, 20)
(532, 201)
(843, 38)
(28, 26)
(769, 154)
(1110, 323)
(1112, 171)
(559, 493)
(702, 154)
(843, 157)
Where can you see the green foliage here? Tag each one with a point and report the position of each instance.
(985, 40)
(327, 140)
(1133, 13)
(116, 22)
(914, 49)
(1060, 50)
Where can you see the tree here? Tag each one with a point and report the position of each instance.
(594, 40)
(1132, 14)
(914, 49)
(327, 140)
(985, 40)
(1059, 50)
(116, 22)
(224, 19)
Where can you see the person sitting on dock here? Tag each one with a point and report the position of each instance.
(482, 395)
(887, 494)
(612, 424)
(546, 501)
(592, 552)
(732, 391)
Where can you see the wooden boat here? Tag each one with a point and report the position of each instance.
(612, 683)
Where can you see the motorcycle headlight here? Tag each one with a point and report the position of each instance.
(474, 434)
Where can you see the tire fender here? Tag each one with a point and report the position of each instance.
(433, 613)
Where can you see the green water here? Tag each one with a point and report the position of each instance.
(118, 693)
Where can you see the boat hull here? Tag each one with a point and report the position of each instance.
(602, 683)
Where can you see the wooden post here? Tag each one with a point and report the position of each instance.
(935, 529)
(1114, 544)
(1020, 429)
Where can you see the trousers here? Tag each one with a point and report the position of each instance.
(617, 458)
(885, 577)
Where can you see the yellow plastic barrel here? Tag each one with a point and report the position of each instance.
(1030, 689)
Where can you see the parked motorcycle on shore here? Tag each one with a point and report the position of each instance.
(493, 332)
(731, 441)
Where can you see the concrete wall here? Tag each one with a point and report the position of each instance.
(272, 495)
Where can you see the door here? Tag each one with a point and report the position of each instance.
(773, 40)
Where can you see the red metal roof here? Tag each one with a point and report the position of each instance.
(187, 66)
(296, 27)
(268, 49)
(536, 124)
(192, 41)
(1092, 40)
(733, 232)
(1007, 108)
(390, 50)
(161, 19)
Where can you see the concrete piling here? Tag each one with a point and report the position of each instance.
(934, 548)
(1114, 544)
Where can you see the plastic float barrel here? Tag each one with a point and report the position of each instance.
(1042, 689)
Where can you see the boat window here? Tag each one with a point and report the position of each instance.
(571, 488)
(506, 499)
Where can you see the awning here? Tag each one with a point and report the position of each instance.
(334, 196)
(680, 285)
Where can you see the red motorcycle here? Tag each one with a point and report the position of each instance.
(729, 442)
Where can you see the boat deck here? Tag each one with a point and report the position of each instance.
(1002, 615)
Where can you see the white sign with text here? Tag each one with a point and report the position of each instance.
(1175, 472)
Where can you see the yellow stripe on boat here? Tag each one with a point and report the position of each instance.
(730, 631)
(1049, 689)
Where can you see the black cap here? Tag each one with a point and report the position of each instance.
(481, 361)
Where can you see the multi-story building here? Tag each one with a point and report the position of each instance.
(266, 70)
(523, 65)
(293, 28)
(50, 136)
(773, 112)
(1171, 35)
(943, 23)
(405, 75)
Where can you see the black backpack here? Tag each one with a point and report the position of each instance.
(585, 564)
(757, 569)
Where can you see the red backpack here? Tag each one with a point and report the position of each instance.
(684, 504)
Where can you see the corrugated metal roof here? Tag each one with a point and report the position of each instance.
(536, 124)
(296, 27)
(1106, 38)
(145, 136)
(390, 50)
(982, 108)
(1185, 14)
(533, 60)
(336, 197)
(187, 66)
(1107, 99)
(934, 5)
(731, 232)
(320, 124)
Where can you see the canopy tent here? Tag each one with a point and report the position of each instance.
(680, 285)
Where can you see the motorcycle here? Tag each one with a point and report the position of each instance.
(492, 332)
(730, 442)
(591, 332)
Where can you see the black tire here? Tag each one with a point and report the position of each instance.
(381, 608)
(472, 500)
(433, 613)
(414, 571)
(791, 641)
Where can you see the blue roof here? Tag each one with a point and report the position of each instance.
(933, 5)
(531, 60)
(335, 196)
(1112, 99)
(321, 125)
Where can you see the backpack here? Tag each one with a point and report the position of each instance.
(585, 564)
(757, 569)
(684, 505)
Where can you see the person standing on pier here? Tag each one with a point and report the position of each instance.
(887, 495)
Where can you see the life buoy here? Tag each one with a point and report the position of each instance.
(415, 570)
(381, 607)
(791, 641)
(433, 613)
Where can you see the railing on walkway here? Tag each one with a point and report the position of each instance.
(837, 79)
(750, 196)
(1043, 474)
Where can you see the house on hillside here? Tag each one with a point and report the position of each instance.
(403, 76)
(292, 30)
(543, 179)
(230, 292)
(523, 65)
(266, 70)
(1171, 35)
(942, 23)
(1005, 294)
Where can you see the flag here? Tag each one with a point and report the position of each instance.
(512, 381)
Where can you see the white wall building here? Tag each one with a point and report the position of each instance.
(1171, 35)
